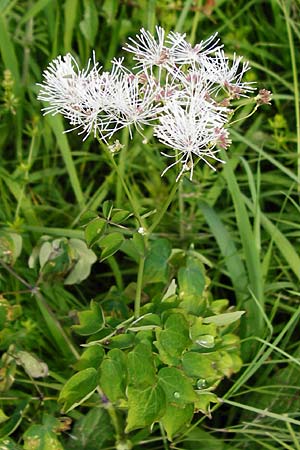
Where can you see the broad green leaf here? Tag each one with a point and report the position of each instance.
(91, 321)
(113, 375)
(175, 418)
(121, 341)
(145, 406)
(204, 399)
(110, 244)
(78, 388)
(149, 321)
(177, 386)
(200, 365)
(224, 319)
(156, 262)
(173, 339)
(39, 437)
(10, 246)
(141, 368)
(120, 216)
(191, 279)
(91, 357)
(92, 431)
(94, 230)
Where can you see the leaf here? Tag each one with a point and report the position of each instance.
(176, 418)
(173, 339)
(91, 357)
(94, 230)
(145, 406)
(121, 341)
(86, 258)
(177, 387)
(156, 262)
(91, 321)
(141, 368)
(199, 365)
(91, 431)
(110, 244)
(204, 400)
(78, 389)
(39, 437)
(120, 215)
(113, 375)
(224, 319)
(191, 279)
(32, 365)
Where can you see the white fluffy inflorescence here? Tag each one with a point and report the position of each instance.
(183, 91)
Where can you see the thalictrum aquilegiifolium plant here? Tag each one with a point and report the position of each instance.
(160, 361)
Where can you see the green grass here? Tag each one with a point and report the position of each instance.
(243, 220)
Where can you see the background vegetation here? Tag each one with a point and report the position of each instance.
(243, 220)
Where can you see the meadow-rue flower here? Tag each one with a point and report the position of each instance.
(185, 92)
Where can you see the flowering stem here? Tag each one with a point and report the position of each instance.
(124, 184)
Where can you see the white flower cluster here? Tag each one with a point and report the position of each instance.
(183, 91)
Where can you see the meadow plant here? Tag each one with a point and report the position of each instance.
(161, 360)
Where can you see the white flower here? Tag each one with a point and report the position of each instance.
(79, 95)
(228, 74)
(148, 51)
(182, 51)
(130, 100)
(193, 130)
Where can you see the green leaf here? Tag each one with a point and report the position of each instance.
(176, 418)
(39, 437)
(200, 365)
(173, 339)
(177, 386)
(92, 431)
(78, 388)
(110, 244)
(156, 262)
(145, 406)
(91, 357)
(121, 341)
(204, 399)
(91, 321)
(113, 375)
(120, 216)
(191, 279)
(107, 208)
(224, 319)
(141, 368)
(94, 230)
(89, 25)
(10, 246)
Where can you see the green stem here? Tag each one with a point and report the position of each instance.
(124, 184)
